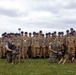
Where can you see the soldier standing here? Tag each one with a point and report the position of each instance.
(70, 43)
(19, 42)
(47, 46)
(36, 45)
(42, 45)
(32, 45)
(0, 46)
(29, 44)
(25, 45)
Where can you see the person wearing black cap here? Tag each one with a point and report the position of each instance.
(22, 33)
(70, 43)
(59, 36)
(62, 34)
(36, 45)
(40, 33)
(29, 45)
(55, 34)
(65, 37)
(42, 45)
(67, 33)
(54, 47)
(49, 36)
(47, 45)
(71, 30)
(25, 45)
(3, 41)
(0, 47)
(32, 45)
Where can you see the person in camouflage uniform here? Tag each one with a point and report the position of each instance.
(4, 42)
(70, 42)
(46, 46)
(30, 47)
(25, 44)
(54, 47)
(0, 46)
(36, 45)
(42, 45)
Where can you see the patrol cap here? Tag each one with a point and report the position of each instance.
(26, 33)
(5, 33)
(46, 33)
(29, 33)
(40, 31)
(71, 28)
(59, 32)
(74, 31)
(42, 34)
(70, 33)
(49, 33)
(10, 33)
(18, 33)
(21, 32)
(54, 32)
(34, 32)
(62, 32)
(67, 30)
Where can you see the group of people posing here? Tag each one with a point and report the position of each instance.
(37, 45)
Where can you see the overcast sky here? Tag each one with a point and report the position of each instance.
(35, 15)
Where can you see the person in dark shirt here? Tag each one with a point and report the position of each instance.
(10, 51)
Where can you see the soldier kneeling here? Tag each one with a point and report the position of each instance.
(11, 53)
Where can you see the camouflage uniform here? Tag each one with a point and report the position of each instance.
(42, 46)
(36, 46)
(29, 46)
(47, 46)
(54, 46)
(70, 42)
(3, 48)
(0, 46)
(25, 45)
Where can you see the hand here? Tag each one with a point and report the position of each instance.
(10, 50)
(55, 51)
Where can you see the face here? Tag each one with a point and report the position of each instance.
(10, 40)
(55, 39)
(25, 34)
(30, 35)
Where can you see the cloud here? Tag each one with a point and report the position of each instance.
(9, 12)
(35, 15)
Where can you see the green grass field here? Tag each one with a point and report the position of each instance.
(36, 67)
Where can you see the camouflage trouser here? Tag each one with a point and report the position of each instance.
(53, 57)
(2, 51)
(71, 50)
(32, 51)
(42, 51)
(36, 51)
(24, 51)
(29, 52)
(75, 52)
(46, 51)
